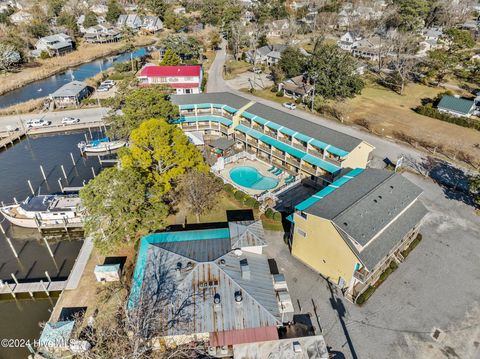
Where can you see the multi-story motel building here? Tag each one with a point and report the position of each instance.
(296, 145)
(352, 229)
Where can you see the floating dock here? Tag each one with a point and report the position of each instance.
(11, 138)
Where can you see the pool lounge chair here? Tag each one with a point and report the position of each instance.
(272, 169)
(278, 172)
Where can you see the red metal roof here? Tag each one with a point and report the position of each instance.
(170, 71)
(242, 336)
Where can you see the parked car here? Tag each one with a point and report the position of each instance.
(103, 89)
(109, 83)
(70, 120)
(38, 123)
(256, 70)
(290, 105)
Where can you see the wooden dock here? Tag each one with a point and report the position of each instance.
(33, 287)
(11, 138)
(65, 128)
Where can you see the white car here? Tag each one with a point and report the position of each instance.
(109, 83)
(102, 89)
(290, 105)
(70, 120)
(38, 123)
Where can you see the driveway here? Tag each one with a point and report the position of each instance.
(248, 80)
(438, 286)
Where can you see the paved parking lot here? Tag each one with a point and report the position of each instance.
(438, 286)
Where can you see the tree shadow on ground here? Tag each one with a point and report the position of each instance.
(453, 181)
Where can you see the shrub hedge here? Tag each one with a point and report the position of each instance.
(428, 110)
(240, 196)
(269, 213)
(277, 216)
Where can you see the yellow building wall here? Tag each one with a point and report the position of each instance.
(358, 157)
(323, 249)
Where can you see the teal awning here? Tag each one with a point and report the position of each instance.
(302, 137)
(287, 131)
(327, 166)
(248, 115)
(203, 118)
(283, 146)
(187, 107)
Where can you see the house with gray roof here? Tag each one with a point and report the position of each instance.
(131, 21)
(211, 285)
(266, 55)
(54, 45)
(70, 94)
(352, 230)
(456, 106)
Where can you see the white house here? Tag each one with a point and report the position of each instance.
(349, 40)
(132, 21)
(266, 55)
(182, 79)
(152, 24)
(102, 34)
(372, 48)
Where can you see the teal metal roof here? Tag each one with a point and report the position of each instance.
(287, 131)
(273, 125)
(166, 237)
(302, 137)
(456, 104)
(248, 115)
(230, 109)
(56, 334)
(204, 105)
(187, 107)
(283, 147)
(327, 166)
(104, 268)
(260, 120)
(204, 118)
(243, 128)
(327, 190)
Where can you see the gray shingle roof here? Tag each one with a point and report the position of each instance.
(368, 210)
(199, 250)
(319, 132)
(246, 234)
(379, 248)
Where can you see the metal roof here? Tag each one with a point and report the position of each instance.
(56, 334)
(213, 97)
(70, 90)
(249, 335)
(246, 234)
(456, 104)
(198, 284)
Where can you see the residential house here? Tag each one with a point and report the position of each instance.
(183, 79)
(457, 106)
(350, 15)
(131, 21)
(222, 293)
(431, 40)
(70, 94)
(349, 41)
(301, 148)
(266, 55)
(277, 28)
(54, 45)
(56, 336)
(21, 17)
(352, 229)
(151, 24)
(296, 87)
(373, 48)
(102, 34)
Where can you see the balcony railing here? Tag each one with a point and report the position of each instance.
(258, 128)
(270, 133)
(299, 146)
(245, 123)
(253, 143)
(264, 147)
(278, 154)
(361, 275)
(315, 153)
(293, 161)
(239, 136)
(309, 169)
(332, 160)
(284, 139)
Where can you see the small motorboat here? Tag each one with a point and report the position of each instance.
(40, 90)
(45, 211)
(101, 145)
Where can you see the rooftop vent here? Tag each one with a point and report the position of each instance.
(222, 262)
(238, 252)
(216, 298)
(179, 265)
(189, 265)
(245, 269)
(238, 296)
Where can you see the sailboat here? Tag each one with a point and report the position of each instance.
(101, 145)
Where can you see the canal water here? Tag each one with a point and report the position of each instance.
(20, 318)
(43, 88)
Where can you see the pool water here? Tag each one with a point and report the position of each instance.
(250, 177)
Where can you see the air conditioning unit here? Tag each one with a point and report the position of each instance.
(224, 350)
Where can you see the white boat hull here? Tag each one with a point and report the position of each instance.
(21, 222)
(104, 147)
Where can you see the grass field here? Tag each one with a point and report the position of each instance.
(388, 112)
(234, 68)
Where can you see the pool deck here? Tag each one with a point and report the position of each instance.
(260, 166)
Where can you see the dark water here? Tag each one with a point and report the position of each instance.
(43, 88)
(19, 318)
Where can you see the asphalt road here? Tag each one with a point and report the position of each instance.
(85, 115)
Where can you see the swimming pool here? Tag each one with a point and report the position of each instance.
(250, 177)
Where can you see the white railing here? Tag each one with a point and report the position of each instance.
(286, 187)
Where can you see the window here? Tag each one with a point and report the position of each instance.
(301, 233)
(303, 215)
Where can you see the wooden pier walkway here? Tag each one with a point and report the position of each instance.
(10, 139)
(53, 286)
